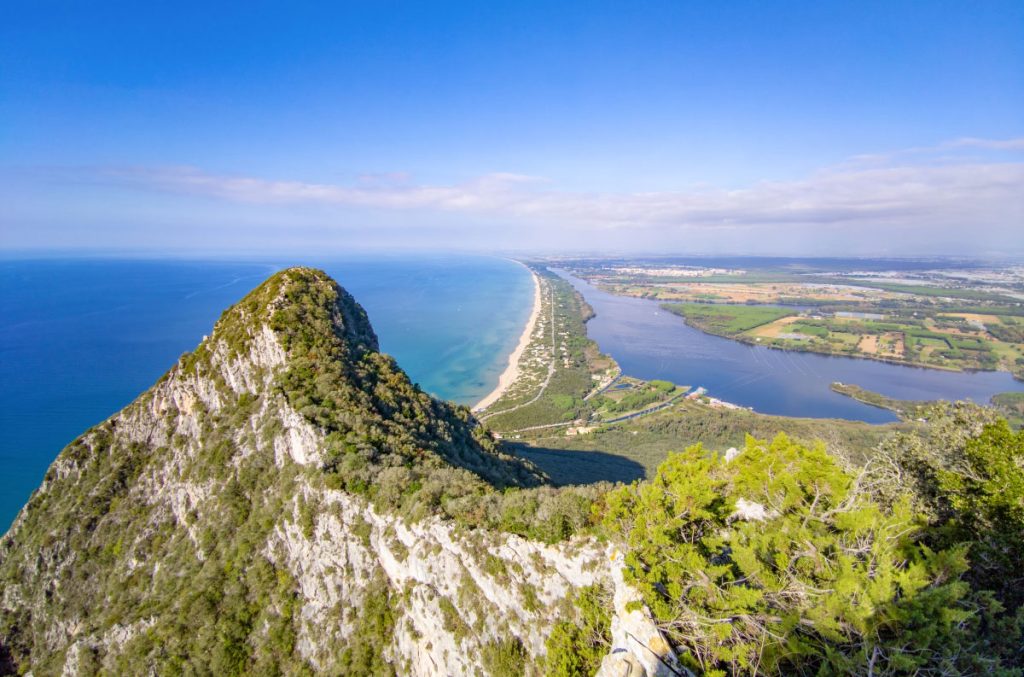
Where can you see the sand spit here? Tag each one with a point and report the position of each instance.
(511, 373)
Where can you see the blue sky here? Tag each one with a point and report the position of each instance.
(753, 127)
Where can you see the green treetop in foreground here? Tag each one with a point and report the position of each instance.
(781, 562)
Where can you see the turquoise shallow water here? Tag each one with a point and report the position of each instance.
(80, 339)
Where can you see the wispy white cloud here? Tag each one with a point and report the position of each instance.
(991, 144)
(958, 151)
(910, 188)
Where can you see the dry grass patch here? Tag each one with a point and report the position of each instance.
(773, 329)
(975, 317)
(868, 344)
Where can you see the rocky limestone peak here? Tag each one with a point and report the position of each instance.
(300, 335)
(285, 501)
(301, 312)
(302, 306)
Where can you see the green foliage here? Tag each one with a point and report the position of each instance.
(374, 631)
(1010, 405)
(663, 386)
(576, 647)
(452, 620)
(634, 400)
(1008, 331)
(564, 401)
(811, 328)
(984, 498)
(545, 513)
(967, 478)
(386, 438)
(829, 581)
(504, 658)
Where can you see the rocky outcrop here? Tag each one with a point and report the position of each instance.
(637, 648)
(197, 530)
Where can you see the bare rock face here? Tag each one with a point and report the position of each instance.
(638, 647)
(271, 506)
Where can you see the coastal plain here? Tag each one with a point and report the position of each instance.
(968, 317)
(573, 411)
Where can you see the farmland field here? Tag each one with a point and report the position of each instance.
(726, 320)
(940, 322)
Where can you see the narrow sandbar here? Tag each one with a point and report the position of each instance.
(511, 373)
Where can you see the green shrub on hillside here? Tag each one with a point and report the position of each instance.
(967, 479)
(504, 658)
(829, 582)
(576, 646)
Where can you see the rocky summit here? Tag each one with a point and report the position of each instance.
(285, 501)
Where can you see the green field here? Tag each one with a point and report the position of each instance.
(933, 291)
(927, 341)
(809, 329)
(726, 320)
(845, 340)
(1010, 405)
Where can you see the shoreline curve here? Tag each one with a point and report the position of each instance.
(511, 372)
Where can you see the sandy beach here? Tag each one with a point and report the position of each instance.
(511, 373)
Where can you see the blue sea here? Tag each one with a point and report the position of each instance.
(80, 339)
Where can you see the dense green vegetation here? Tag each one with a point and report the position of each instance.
(1010, 405)
(726, 320)
(576, 646)
(831, 573)
(504, 658)
(966, 474)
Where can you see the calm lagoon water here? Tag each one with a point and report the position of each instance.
(80, 339)
(649, 342)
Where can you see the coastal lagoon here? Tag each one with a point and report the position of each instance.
(649, 342)
(81, 339)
